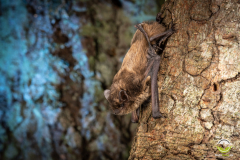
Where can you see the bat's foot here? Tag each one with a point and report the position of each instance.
(157, 48)
(156, 115)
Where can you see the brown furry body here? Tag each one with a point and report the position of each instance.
(133, 73)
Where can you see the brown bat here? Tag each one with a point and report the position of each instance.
(129, 88)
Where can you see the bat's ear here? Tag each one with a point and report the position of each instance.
(123, 96)
(107, 93)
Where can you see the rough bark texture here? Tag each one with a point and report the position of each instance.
(56, 59)
(199, 85)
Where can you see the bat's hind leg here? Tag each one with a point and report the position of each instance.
(163, 36)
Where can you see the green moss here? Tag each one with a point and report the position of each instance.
(91, 61)
(98, 93)
(88, 30)
(102, 57)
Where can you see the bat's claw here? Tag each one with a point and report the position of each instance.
(157, 48)
(157, 115)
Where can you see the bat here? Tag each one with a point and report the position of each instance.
(130, 86)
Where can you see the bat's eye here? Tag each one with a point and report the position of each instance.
(121, 105)
(123, 96)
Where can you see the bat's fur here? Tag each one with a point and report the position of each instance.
(132, 75)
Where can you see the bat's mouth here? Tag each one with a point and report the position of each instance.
(122, 110)
(117, 111)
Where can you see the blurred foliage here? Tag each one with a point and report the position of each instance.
(56, 59)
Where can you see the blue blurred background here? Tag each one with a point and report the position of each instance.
(56, 59)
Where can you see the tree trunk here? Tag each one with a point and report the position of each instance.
(199, 85)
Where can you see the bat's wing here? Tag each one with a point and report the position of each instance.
(153, 66)
(152, 70)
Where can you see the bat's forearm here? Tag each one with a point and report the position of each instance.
(154, 88)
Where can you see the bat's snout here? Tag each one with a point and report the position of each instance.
(117, 111)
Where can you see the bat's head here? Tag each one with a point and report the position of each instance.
(118, 99)
(123, 94)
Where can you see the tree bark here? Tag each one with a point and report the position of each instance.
(199, 85)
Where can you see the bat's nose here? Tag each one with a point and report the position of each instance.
(117, 111)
